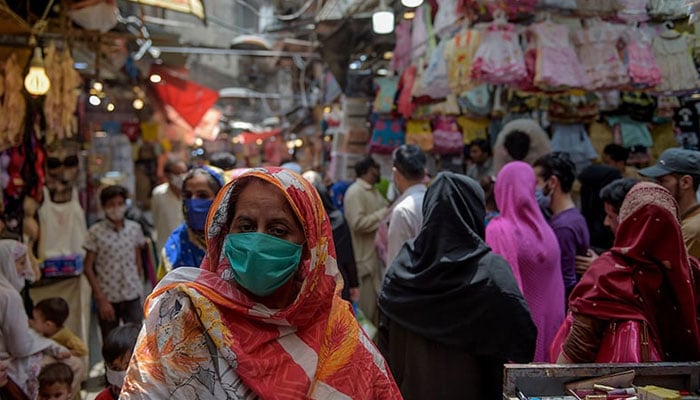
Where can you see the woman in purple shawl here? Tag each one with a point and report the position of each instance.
(522, 236)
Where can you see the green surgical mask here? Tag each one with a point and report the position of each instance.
(261, 263)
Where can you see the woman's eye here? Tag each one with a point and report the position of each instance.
(246, 228)
(279, 232)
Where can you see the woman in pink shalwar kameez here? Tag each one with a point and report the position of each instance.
(521, 235)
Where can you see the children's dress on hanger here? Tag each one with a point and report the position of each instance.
(641, 63)
(557, 64)
(499, 59)
(597, 50)
(672, 53)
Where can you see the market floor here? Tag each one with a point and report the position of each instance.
(96, 373)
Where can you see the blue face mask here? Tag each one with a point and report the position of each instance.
(261, 263)
(544, 200)
(196, 211)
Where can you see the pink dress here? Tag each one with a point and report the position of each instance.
(522, 236)
(499, 58)
(597, 50)
(632, 10)
(641, 63)
(557, 65)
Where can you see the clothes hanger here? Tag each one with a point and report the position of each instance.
(669, 31)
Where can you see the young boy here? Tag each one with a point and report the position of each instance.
(113, 263)
(116, 352)
(49, 318)
(55, 382)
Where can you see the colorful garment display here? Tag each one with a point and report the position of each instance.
(557, 64)
(640, 60)
(199, 324)
(459, 53)
(573, 139)
(597, 50)
(672, 52)
(499, 59)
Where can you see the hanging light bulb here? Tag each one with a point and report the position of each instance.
(411, 3)
(37, 82)
(383, 19)
(138, 104)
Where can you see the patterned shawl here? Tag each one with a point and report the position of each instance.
(647, 275)
(313, 348)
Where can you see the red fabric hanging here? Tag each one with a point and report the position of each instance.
(189, 99)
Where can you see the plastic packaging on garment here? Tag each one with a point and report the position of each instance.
(693, 7)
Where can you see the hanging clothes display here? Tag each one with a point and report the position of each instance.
(632, 10)
(460, 52)
(597, 50)
(573, 139)
(667, 9)
(419, 32)
(631, 133)
(386, 92)
(446, 17)
(499, 59)
(557, 65)
(671, 49)
(61, 217)
(639, 56)
(401, 57)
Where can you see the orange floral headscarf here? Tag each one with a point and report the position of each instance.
(313, 348)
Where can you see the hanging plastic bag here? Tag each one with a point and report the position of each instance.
(366, 324)
(97, 17)
(435, 76)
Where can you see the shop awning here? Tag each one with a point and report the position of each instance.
(194, 7)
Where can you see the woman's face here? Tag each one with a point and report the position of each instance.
(261, 207)
(20, 264)
(197, 187)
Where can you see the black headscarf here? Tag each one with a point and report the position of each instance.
(594, 178)
(345, 254)
(447, 286)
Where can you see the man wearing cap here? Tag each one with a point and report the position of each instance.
(678, 170)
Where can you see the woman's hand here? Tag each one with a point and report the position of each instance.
(583, 262)
(105, 310)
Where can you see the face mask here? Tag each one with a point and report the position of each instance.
(196, 211)
(543, 200)
(116, 213)
(261, 263)
(177, 180)
(115, 378)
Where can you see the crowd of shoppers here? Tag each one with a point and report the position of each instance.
(516, 260)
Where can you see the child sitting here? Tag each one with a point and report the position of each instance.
(116, 352)
(49, 318)
(55, 382)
